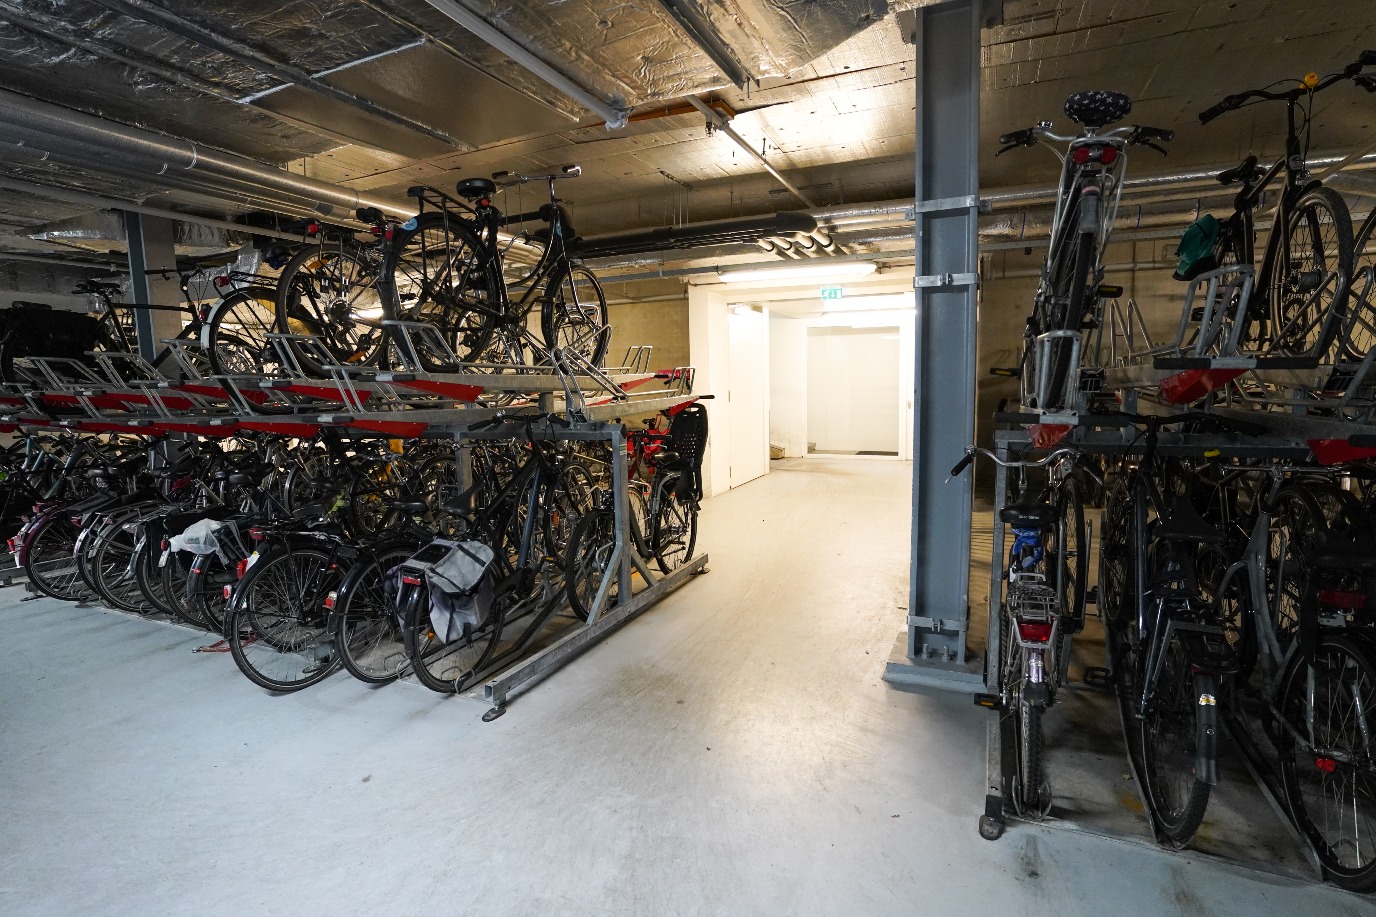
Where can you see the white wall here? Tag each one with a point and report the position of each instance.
(788, 384)
(853, 389)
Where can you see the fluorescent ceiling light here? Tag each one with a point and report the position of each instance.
(799, 272)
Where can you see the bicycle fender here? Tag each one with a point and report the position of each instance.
(1206, 728)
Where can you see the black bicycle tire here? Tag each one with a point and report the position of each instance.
(594, 532)
(416, 612)
(549, 313)
(287, 282)
(1078, 280)
(243, 608)
(1177, 826)
(1361, 310)
(1342, 257)
(1071, 516)
(382, 557)
(1360, 879)
(662, 503)
(115, 593)
(49, 529)
(1029, 730)
(390, 288)
(215, 322)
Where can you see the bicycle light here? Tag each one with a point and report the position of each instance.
(221, 282)
(1034, 631)
(330, 600)
(1104, 155)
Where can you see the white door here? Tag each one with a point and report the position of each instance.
(749, 386)
(853, 391)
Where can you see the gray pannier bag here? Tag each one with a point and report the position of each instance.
(459, 584)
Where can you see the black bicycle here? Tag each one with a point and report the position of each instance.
(452, 266)
(1298, 303)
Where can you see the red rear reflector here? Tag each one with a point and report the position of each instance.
(410, 580)
(239, 570)
(166, 544)
(1081, 155)
(1327, 765)
(313, 229)
(330, 600)
(1342, 598)
(229, 591)
(221, 282)
(256, 533)
(1108, 155)
(1035, 631)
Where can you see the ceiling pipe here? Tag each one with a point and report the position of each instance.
(69, 262)
(256, 60)
(700, 31)
(123, 150)
(722, 123)
(614, 116)
(84, 198)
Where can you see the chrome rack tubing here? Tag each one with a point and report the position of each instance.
(400, 332)
(1135, 317)
(621, 509)
(341, 375)
(1247, 278)
(574, 405)
(286, 357)
(178, 349)
(237, 402)
(1187, 310)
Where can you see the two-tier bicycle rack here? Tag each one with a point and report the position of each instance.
(123, 394)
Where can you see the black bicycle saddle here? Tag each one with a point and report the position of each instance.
(474, 188)
(1096, 108)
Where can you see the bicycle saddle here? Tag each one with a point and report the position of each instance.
(474, 188)
(1097, 108)
(410, 507)
(1185, 524)
(1244, 172)
(1029, 515)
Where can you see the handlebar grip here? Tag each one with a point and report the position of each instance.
(705, 397)
(961, 465)
(1368, 59)
(1156, 133)
(1210, 113)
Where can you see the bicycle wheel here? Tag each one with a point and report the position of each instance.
(570, 497)
(277, 631)
(674, 532)
(1068, 553)
(330, 292)
(1297, 529)
(1359, 331)
(234, 337)
(450, 667)
(110, 564)
(1307, 285)
(1114, 554)
(588, 561)
(205, 590)
(1329, 775)
(49, 562)
(438, 273)
(1231, 605)
(176, 586)
(368, 635)
(1167, 737)
(573, 315)
(639, 500)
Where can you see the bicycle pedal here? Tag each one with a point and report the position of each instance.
(1098, 677)
(989, 701)
(1092, 596)
(1109, 291)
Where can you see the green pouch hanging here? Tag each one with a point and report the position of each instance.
(1196, 248)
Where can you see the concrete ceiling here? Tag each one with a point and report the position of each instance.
(832, 113)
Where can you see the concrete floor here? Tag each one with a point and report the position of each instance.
(734, 751)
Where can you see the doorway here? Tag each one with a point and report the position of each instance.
(853, 391)
(748, 393)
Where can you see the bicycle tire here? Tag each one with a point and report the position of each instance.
(48, 561)
(1068, 282)
(674, 532)
(1029, 725)
(1343, 674)
(1297, 528)
(329, 292)
(573, 314)
(1166, 738)
(438, 271)
(277, 630)
(1319, 233)
(205, 590)
(1359, 330)
(1070, 553)
(368, 635)
(588, 561)
(110, 557)
(234, 336)
(1113, 554)
(447, 668)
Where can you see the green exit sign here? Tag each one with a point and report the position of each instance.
(832, 293)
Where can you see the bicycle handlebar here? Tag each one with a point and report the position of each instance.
(506, 179)
(1352, 71)
(972, 451)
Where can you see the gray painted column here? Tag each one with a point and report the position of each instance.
(153, 275)
(945, 37)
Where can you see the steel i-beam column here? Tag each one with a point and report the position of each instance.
(945, 37)
(153, 278)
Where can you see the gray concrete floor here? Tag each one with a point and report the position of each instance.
(734, 751)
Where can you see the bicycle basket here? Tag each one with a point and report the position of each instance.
(1196, 248)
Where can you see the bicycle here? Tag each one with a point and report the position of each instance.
(1168, 649)
(1043, 606)
(1295, 592)
(446, 266)
(1069, 292)
(1298, 304)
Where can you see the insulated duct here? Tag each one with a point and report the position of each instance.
(119, 149)
(105, 231)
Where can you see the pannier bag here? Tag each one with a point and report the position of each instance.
(458, 580)
(1196, 248)
(36, 330)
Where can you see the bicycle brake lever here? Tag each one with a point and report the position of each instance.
(1159, 149)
